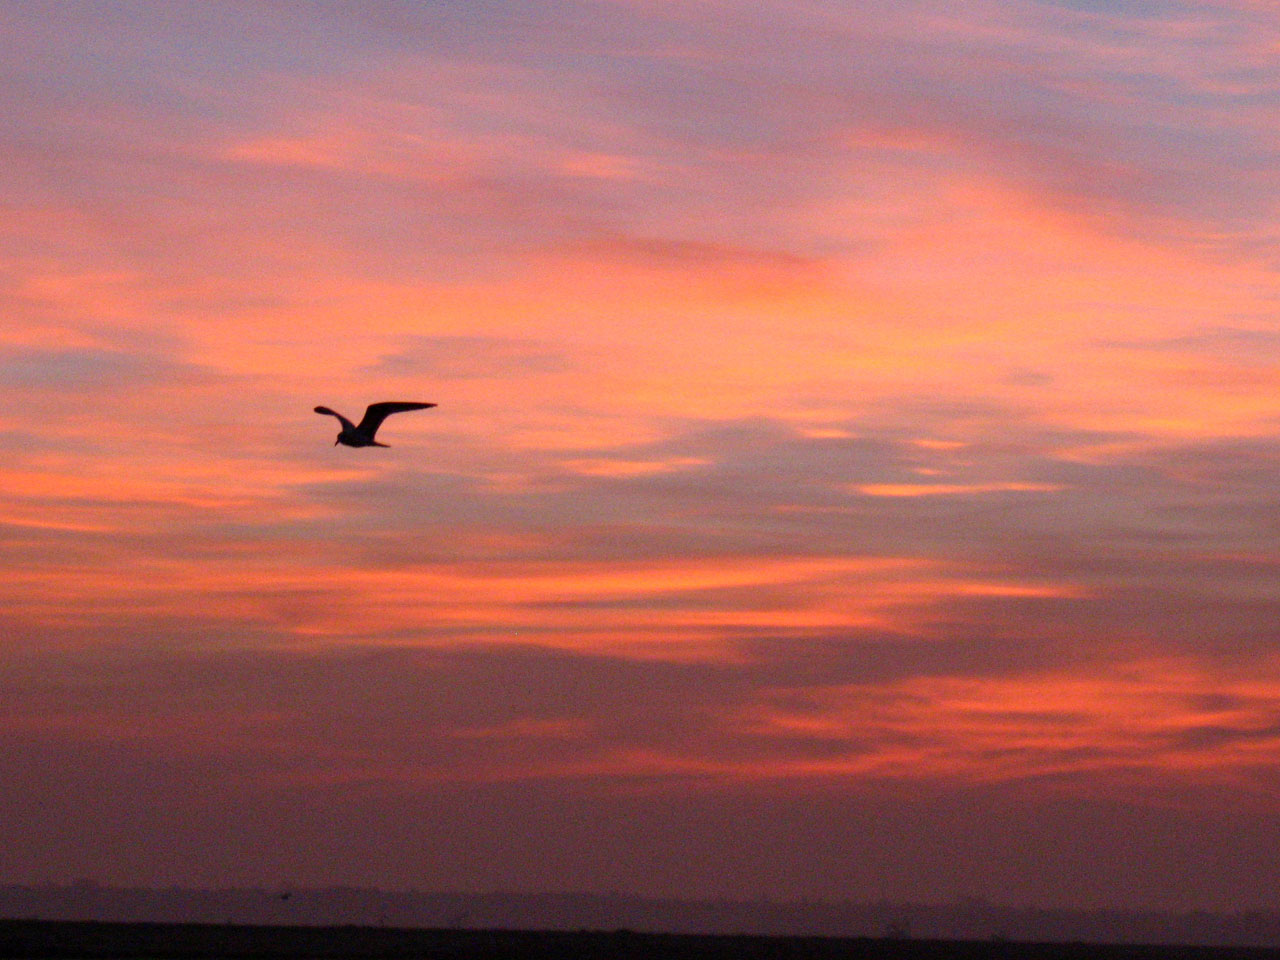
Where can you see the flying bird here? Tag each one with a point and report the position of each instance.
(361, 434)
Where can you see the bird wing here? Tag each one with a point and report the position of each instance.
(377, 412)
(346, 424)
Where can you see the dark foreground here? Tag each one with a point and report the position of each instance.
(180, 941)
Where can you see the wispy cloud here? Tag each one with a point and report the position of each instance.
(469, 357)
(85, 369)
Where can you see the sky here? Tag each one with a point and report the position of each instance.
(856, 470)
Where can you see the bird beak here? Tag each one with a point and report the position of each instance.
(335, 443)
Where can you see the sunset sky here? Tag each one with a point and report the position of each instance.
(856, 470)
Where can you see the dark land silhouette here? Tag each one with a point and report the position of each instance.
(89, 940)
(283, 908)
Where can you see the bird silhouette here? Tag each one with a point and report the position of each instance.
(361, 434)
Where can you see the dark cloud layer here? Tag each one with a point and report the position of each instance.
(241, 759)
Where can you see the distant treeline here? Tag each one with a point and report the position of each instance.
(964, 920)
